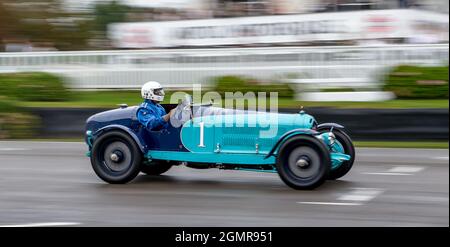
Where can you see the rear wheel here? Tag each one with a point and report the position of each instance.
(116, 158)
(349, 149)
(303, 162)
(156, 167)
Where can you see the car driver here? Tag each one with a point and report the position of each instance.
(150, 113)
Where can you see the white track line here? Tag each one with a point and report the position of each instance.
(398, 171)
(14, 149)
(406, 169)
(356, 197)
(387, 173)
(44, 224)
(332, 203)
(441, 158)
(361, 195)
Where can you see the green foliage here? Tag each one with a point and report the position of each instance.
(15, 123)
(44, 23)
(8, 23)
(6, 106)
(107, 13)
(18, 125)
(33, 87)
(241, 84)
(412, 82)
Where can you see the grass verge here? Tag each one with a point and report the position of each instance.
(110, 99)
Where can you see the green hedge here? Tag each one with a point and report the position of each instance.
(34, 86)
(241, 84)
(6, 106)
(18, 125)
(412, 82)
(16, 122)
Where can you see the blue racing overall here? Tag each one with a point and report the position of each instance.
(151, 114)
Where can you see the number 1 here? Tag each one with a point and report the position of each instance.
(202, 134)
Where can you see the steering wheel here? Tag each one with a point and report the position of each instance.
(183, 112)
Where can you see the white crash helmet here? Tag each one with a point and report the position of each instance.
(152, 90)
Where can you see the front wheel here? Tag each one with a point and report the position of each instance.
(116, 158)
(348, 149)
(303, 162)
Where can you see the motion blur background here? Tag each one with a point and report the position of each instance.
(380, 67)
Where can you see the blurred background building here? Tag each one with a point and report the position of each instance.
(27, 25)
(323, 43)
(322, 50)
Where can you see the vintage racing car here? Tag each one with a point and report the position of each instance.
(303, 152)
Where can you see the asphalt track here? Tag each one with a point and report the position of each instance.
(52, 184)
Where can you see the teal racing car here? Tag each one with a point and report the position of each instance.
(303, 152)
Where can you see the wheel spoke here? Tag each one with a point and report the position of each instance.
(304, 162)
(117, 156)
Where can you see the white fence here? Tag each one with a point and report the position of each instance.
(345, 66)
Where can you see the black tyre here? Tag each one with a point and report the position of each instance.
(156, 167)
(303, 162)
(349, 149)
(116, 158)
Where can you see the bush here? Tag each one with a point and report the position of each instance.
(6, 106)
(18, 125)
(241, 84)
(412, 82)
(15, 123)
(33, 87)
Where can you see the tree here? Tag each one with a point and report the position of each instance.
(8, 22)
(44, 21)
(107, 13)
